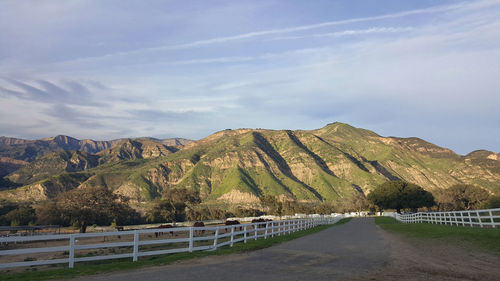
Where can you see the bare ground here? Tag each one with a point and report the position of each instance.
(358, 250)
(422, 259)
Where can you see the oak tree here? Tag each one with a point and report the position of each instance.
(400, 195)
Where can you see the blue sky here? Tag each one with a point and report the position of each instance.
(111, 69)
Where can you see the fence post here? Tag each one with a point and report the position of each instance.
(245, 233)
(191, 236)
(479, 219)
(492, 220)
(71, 250)
(272, 229)
(470, 218)
(136, 246)
(232, 236)
(216, 238)
(462, 218)
(256, 228)
(265, 232)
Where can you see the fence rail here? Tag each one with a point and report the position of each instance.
(473, 218)
(218, 236)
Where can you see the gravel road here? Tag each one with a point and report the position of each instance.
(343, 252)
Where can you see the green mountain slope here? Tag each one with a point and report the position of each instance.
(129, 149)
(9, 165)
(29, 150)
(53, 164)
(73, 161)
(238, 166)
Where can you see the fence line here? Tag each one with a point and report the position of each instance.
(481, 218)
(231, 234)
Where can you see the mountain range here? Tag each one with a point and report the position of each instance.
(239, 166)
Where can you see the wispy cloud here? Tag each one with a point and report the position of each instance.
(250, 35)
(404, 69)
(68, 91)
(350, 32)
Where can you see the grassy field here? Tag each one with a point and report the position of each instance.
(89, 268)
(482, 238)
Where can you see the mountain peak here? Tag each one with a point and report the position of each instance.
(483, 154)
(344, 130)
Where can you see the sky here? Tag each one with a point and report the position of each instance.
(104, 69)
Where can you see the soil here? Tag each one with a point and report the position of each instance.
(422, 259)
(358, 250)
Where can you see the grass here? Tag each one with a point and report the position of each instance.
(97, 267)
(482, 238)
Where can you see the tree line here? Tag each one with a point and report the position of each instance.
(401, 195)
(84, 207)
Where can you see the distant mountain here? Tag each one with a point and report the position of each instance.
(73, 160)
(53, 164)
(238, 166)
(483, 155)
(130, 149)
(176, 142)
(29, 150)
(9, 165)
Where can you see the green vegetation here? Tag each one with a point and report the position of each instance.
(15, 214)
(173, 207)
(492, 202)
(483, 238)
(86, 206)
(400, 195)
(52, 164)
(89, 268)
(327, 166)
(461, 197)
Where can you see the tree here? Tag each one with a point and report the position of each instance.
(93, 205)
(355, 203)
(400, 195)
(462, 197)
(14, 214)
(6, 206)
(173, 205)
(492, 203)
(48, 214)
(162, 211)
(274, 206)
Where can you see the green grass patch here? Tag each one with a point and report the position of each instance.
(89, 268)
(482, 238)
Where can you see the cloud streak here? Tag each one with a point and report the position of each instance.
(425, 71)
(256, 34)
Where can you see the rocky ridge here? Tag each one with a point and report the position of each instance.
(238, 166)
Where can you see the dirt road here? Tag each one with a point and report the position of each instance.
(339, 253)
(358, 250)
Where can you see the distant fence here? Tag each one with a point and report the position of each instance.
(139, 243)
(478, 218)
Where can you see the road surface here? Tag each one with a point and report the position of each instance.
(345, 252)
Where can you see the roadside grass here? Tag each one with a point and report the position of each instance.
(483, 238)
(89, 268)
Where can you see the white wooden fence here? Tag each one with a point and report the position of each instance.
(189, 236)
(480, 218)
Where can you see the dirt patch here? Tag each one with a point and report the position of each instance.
(419, 259)
(237, 197)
